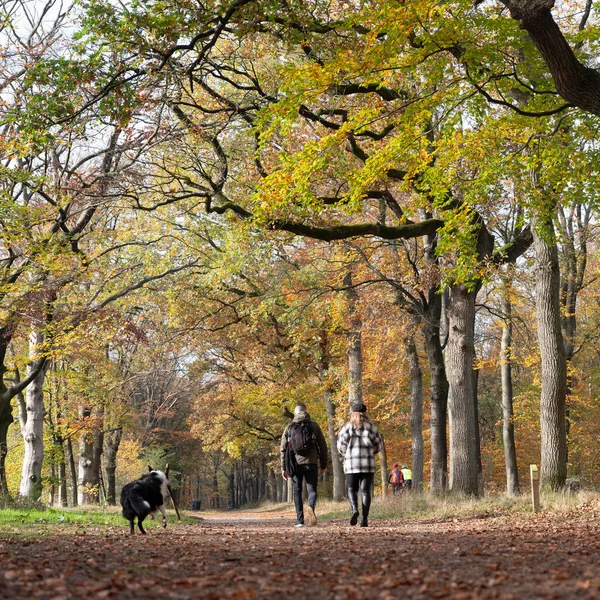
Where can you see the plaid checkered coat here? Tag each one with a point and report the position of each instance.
(359, 447)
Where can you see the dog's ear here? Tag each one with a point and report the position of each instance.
(150, 469)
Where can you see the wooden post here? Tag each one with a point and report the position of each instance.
(171, 493)
(535, 487)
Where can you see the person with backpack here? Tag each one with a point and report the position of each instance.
(358, 442)
(396, 479)
(303, 448)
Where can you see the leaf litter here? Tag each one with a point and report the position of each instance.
(507, 557)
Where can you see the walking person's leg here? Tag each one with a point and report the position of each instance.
(297, 489)
(353, 482)
(311, 473)
(366, 481)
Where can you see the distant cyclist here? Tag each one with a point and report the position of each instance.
(395, 479)
(406, 477)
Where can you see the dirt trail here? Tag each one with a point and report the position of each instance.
(248, 556)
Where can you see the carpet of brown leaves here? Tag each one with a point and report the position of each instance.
(541, 556)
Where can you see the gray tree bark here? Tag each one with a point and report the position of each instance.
(31, 418)
(475, 372)
(355, 364)
(575, 82)
(62, 486)
(355, 357)
(574, 234)
(384, 469)
(461, 397)
(90, 454)
(416, 413)
(339, 481)
(552, 351)
(73, 471)
(113, 441)
(438, 385)
(508, 427)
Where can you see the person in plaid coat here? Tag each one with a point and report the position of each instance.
(358, 442)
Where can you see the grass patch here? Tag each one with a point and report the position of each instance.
(449, 507)
(36, 521)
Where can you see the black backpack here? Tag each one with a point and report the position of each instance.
(302, 438)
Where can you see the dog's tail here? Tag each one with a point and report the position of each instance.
(135, 505)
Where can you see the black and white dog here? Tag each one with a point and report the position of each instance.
(143, 497)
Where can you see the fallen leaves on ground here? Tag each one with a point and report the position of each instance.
(233, 557)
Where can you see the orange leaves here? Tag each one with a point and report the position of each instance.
(542, 557)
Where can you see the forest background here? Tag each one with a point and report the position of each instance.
(211, 211)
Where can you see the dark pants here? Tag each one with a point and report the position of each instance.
(311, 474)
(364, 481)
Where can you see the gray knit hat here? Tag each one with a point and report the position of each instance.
(300, 407)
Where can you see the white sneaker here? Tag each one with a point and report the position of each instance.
(311, 516)
(299, 525)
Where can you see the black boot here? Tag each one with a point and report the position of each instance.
(366, 506)
(353, 498)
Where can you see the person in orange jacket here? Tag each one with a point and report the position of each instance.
(396, 479)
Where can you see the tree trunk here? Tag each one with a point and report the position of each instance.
(231, 482)
(438, 383)
(552, 351)
(283, 487)
(339, 483)
(439, 399)
(113, 440)
(416, 413)
(73, 470)
(98, 451)
(339, 480)
(215, 490)
(355, 364)
(32, 426)
(272, 487)
(461, 397)
(6, 395)
(384, 470)
(52, 485)
(508, 427)
(355, 357)
(62, 476)
(477, 432)
(574, 236)
(277, 484)
(59, 444)
(90, 454)
(575, 82)
(85, 475)
(6, 418)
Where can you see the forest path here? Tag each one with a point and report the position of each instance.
(249, 556)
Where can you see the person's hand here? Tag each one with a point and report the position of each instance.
(285, 475)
